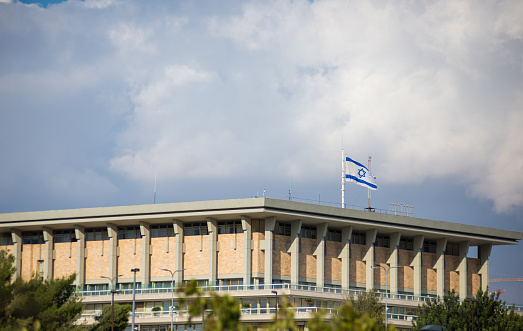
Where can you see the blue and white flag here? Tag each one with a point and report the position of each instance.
(357, 172)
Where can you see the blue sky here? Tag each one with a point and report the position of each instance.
(225, 100)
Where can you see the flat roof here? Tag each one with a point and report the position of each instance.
(258, 208)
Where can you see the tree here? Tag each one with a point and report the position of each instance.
(490, 313)
(368, 302)
(36, 304)
(121, 318)
(346, 318)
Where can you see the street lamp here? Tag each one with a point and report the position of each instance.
(172, 293)
(135, 270)
(276, 292)
(472, 309)
(113, 291)
(377, 266)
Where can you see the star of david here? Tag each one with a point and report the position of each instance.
(361, 173)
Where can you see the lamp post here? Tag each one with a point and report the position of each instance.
(113, 291)
(472, 309)
(276, 292)
(172, 293)
(377, 266)
(135, 270)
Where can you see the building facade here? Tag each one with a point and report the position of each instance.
(255, 249)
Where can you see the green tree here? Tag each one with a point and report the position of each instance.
(369, 303)
(36, 304)
(284, 318)
(490, 313)
(121, 318)
(346, 318)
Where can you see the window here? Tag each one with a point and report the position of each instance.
(407, 244)
(308, 232)
(6, 238)
(284, 229)
(358, 238)
(96, 234)
(32, 238)
(334, 235)
(429, 246)
(383, 240)
(129, 232)
(452, 249)
(64, 236)
(161, 231)
(195, 229)
(230, 227)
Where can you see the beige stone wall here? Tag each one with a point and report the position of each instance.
(451, 275)
(97, 261)
(30, 264)
(357, 266)
(8, 248)
(258, 256)
(281, 260)
(307, 264)
(130, 256)
(406, 272)
(160, 258)
(382, 255)
(428, 274)
(474, 280)
(196, 260)
(230, 259)
(65, 261)
(332, 262)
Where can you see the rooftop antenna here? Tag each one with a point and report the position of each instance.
(342, 177)
(290, 190)
(154, 201)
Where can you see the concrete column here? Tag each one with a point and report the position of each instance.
(270, 224)
(370, 238)
(462, 269)
(295, 250)
(247, 250)
(112, 232)
(48, 253)
(393, 262)
(17, 252)
(212, 226)
(441, 246)
(416, 263)
(483, 256)
(346, 234)
(319, 252)
(146, 252)
(178, 251)
(79, 233)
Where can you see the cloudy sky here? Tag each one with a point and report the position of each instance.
(224, 99)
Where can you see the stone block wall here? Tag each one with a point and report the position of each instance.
(97, 260)
(332, 262)
(163, 256)
(65, 259)
(196, 256)
(230, 256)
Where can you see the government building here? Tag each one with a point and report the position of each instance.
(256, 250)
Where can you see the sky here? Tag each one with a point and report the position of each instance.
(102, 102)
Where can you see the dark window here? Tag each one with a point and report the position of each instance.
(195, 229)
(129, 232)
(334, 235)
(230, 227)
(308, 232)
(64, 236)
(31, 238)
(96, 234)
(6, 238)
(358, 238)
(452, 249)
(407, 244)
(162, 230)
(429, 246)
(383, 240)
(284, 229)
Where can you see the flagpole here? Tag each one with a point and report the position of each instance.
(342, 178)
(368, 190)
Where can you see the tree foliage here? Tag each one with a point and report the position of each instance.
(369, 303)
(36, 304)
(121, 318)
(490, 313)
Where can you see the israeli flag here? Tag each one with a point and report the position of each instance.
(357, 172)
